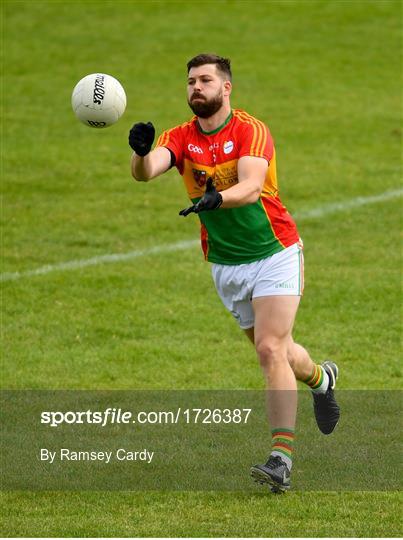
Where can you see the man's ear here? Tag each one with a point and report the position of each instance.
(227, 88)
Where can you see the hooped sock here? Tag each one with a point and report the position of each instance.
(318, 380)
(283, 444)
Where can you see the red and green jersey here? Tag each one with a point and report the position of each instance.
(232, 235)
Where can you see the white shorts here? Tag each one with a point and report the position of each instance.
(279, 275)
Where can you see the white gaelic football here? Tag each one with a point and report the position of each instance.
(98, 100)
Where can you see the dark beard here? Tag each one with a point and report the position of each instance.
(206, 108)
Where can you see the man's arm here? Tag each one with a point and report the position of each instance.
(153, 164)
(145, 164)
(251, 176)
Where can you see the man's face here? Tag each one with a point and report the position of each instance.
(205, 90)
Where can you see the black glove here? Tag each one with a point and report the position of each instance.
(141, 138)
(211, 200)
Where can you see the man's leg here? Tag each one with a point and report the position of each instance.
(299, 360)
(274, 319)
(298, 357)
(320, 378)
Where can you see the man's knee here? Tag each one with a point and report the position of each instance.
(270, 352)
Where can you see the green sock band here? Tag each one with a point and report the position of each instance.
(283, 441)
(315, 379)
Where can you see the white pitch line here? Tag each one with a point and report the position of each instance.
(332, 208)
(315, 213)
(100, 259)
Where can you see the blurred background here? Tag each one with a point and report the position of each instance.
(325, 76)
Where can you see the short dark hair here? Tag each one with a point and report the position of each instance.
(223, 64)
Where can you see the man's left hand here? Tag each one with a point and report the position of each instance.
(211, 200)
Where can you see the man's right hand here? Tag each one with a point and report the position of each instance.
(141, 138)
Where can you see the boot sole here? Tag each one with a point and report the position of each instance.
(261, 477)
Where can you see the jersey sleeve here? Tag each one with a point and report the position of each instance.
(173, 140)
(256, 141)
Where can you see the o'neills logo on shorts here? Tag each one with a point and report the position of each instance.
(285, 285)
(99, 89)
(200, 177)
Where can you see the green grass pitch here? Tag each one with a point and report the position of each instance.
(326, 77)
